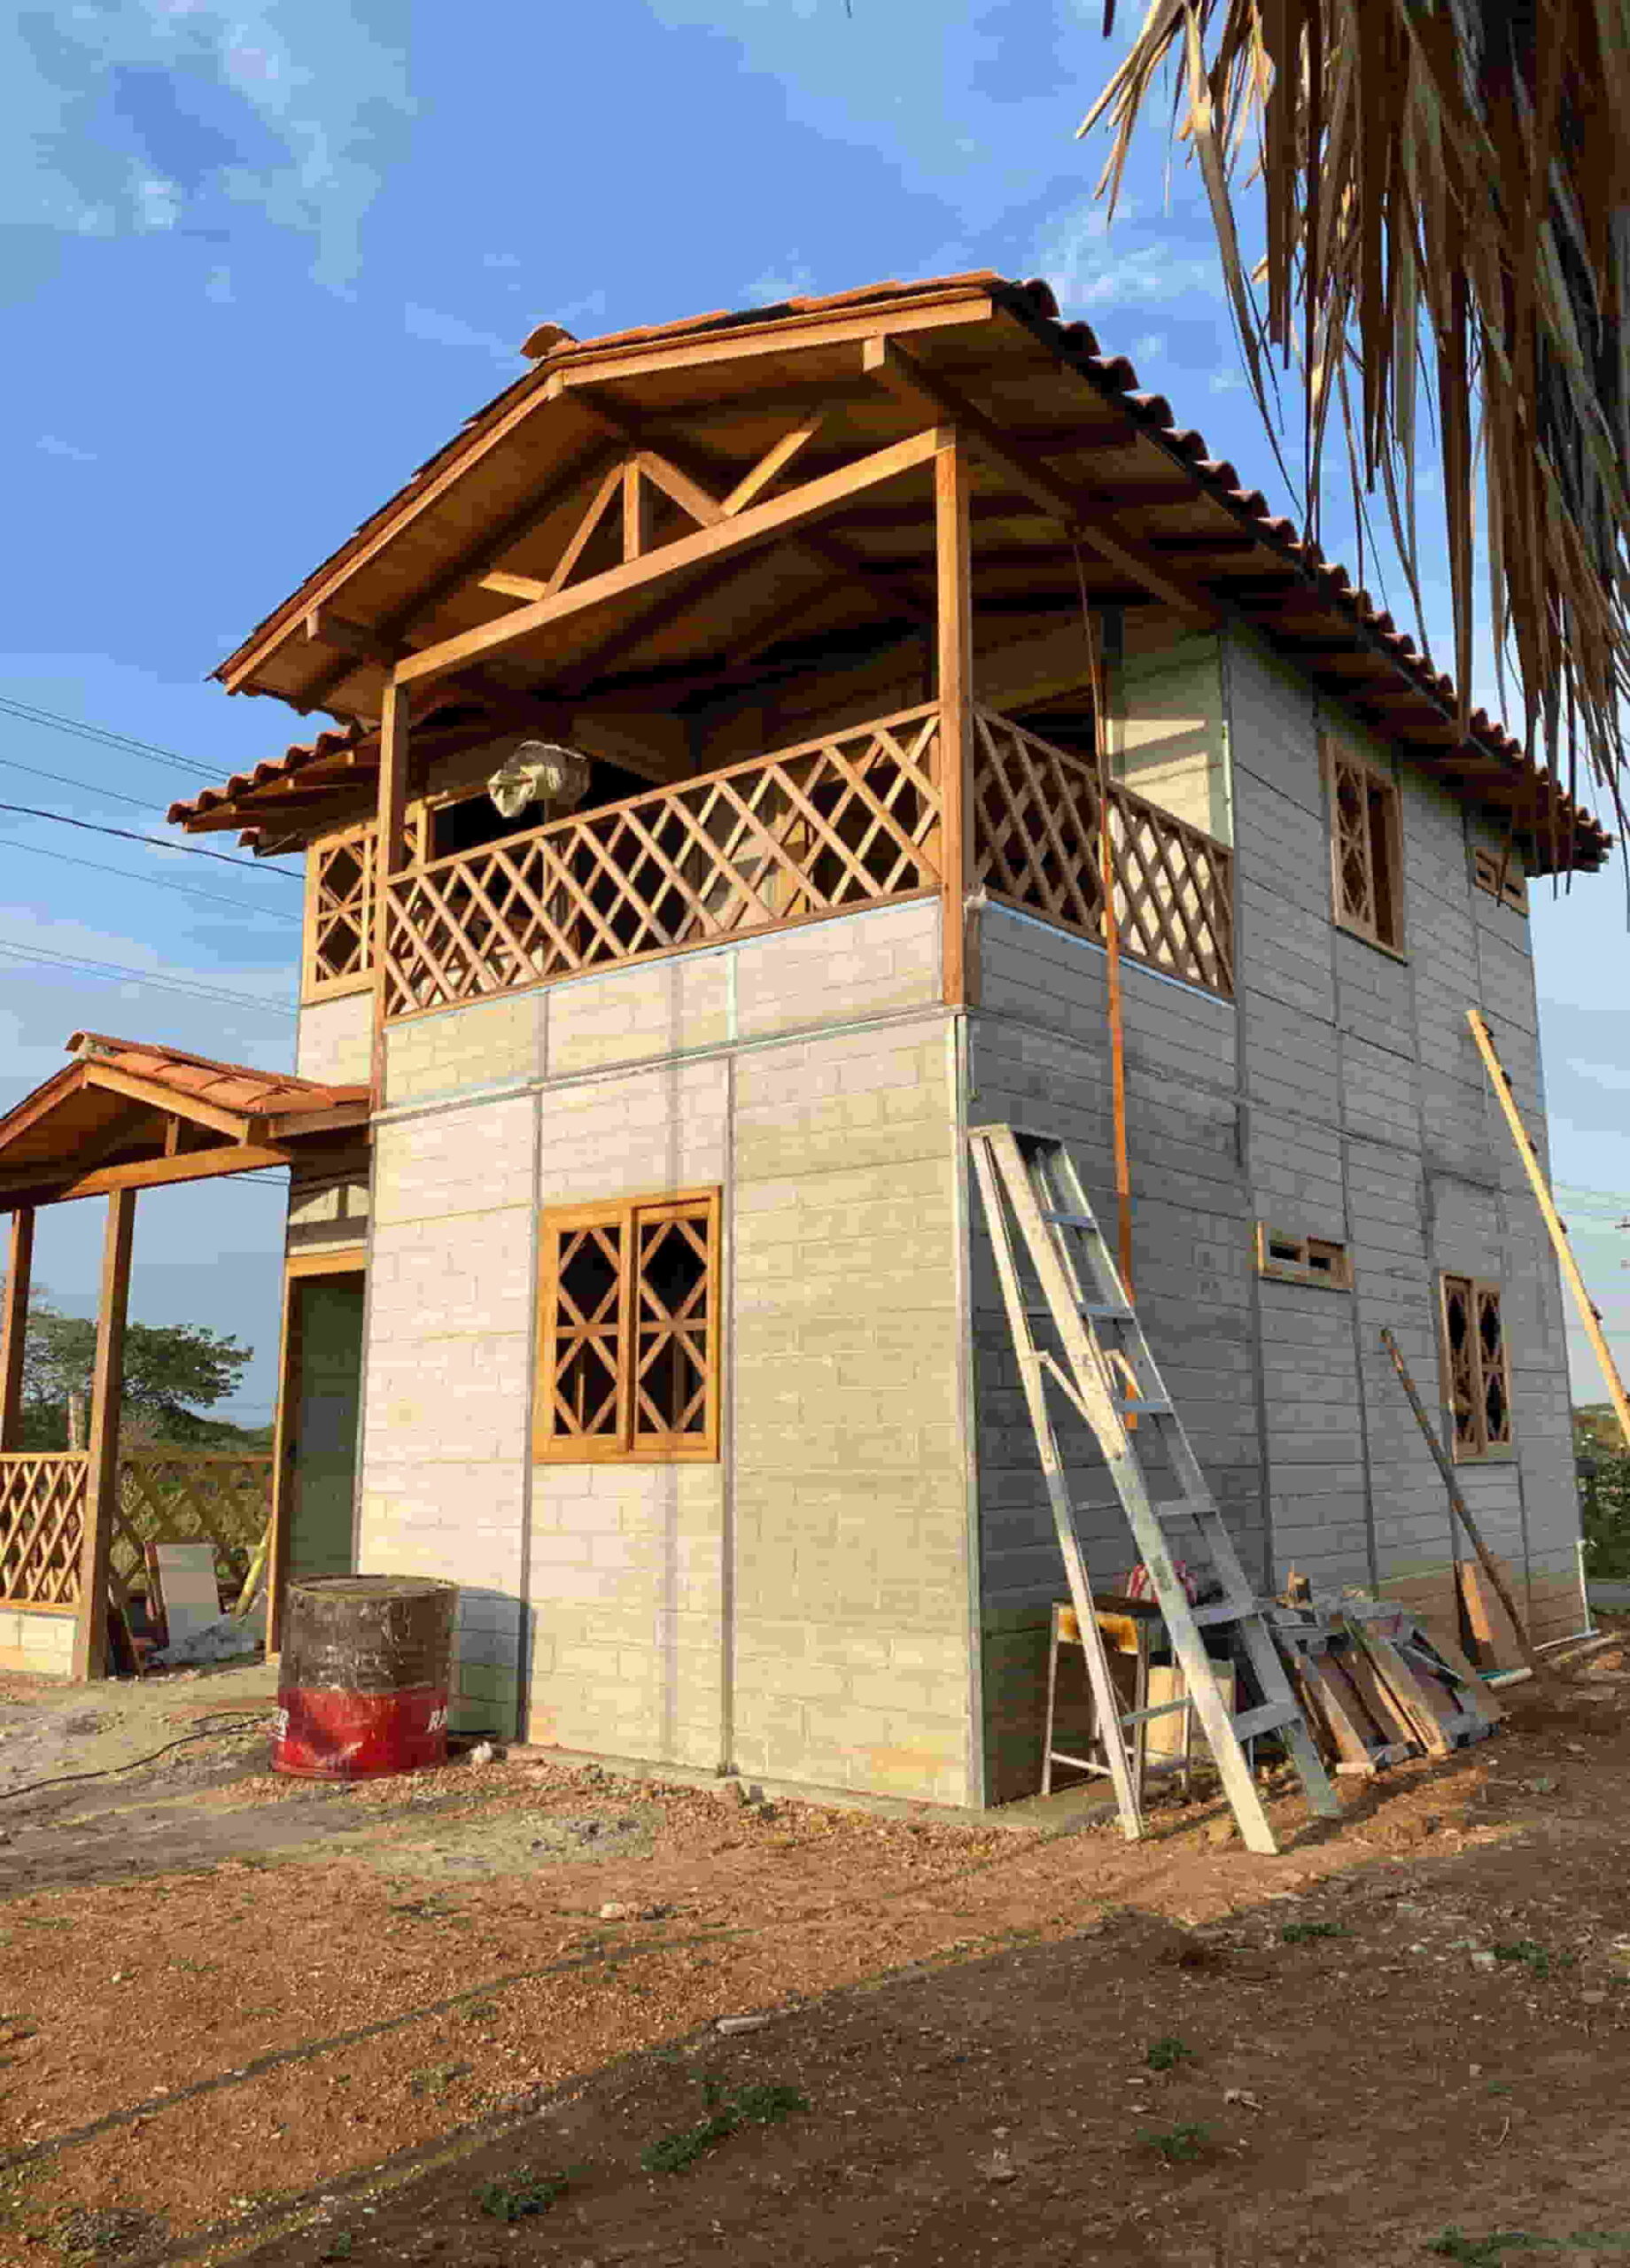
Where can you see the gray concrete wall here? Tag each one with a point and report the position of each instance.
(1341, 1096)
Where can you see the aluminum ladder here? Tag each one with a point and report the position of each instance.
(1101, 1363)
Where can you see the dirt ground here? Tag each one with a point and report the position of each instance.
(474, 2017)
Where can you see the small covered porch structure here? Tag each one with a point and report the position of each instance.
(122, 1116)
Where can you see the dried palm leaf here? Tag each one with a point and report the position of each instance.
(1446, 190)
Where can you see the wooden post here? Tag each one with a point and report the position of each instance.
(14, 1326)
(1463, 1511)
(1529, 1155)
(102, 1462)
(955, 658)
(391, 826)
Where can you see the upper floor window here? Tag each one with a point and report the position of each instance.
(628, 1332)
(1366, 847)
(1477, 1370)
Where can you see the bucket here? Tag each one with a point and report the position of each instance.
(363, 1681)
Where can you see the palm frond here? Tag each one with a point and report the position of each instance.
(1447, 194)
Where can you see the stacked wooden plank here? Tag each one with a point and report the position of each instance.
(1376, 1688)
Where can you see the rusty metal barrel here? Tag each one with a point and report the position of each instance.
(362, 1681)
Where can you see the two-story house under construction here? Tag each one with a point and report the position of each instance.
(635, 1281)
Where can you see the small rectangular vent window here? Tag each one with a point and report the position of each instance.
(1499, 872)
(1302, 1260)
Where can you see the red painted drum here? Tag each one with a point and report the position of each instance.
(362, 1681)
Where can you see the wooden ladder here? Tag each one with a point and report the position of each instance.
(1099, 1360)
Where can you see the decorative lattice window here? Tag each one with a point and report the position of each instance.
(1302, 1260)
(1366, 848)
(1500, 875)
(1476, 1370)
(628, 1338)
(339, 914)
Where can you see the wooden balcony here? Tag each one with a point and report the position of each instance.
(828, 828)
(221, 1497)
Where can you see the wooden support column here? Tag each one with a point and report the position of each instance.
(14, 1326)
(953, 564)
(102, 1461)
(390, 850)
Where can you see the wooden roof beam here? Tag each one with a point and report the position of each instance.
(759, 523)
(708, 510)
(893, 367)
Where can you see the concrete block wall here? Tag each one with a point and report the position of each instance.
(1366, 1101)
(35, 1644)
(800, 1608)
(1339, 1096)
(448, 1377)
(335, 1040)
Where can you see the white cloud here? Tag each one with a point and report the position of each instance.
(117, 118)
(792, 279)
(1613, 1076)
(1226, 381)
(1084, 260)
(1150, 347)
(452, 330)
(53, 448)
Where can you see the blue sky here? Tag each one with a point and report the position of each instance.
(257, 261)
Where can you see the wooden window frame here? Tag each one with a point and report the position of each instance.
(1290, 1259)
(622, 1442)
(1466, 1374)
(1374, 912)
(1498, 873)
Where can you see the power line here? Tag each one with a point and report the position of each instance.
(156, 881)
(148, 841)
(89, 786)
(53, 718)
(114, 971)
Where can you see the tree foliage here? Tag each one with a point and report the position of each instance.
(172, 1373)
(1604, 1464)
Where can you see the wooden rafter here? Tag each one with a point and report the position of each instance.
(759, 523)
(708, 510)
(1081, 511)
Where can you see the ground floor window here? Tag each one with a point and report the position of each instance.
(628, 1331)
(1476, 1370)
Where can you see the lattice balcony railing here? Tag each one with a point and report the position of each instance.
(1036, 821)
(42, 1525)
(221, 1497)
(838, 824)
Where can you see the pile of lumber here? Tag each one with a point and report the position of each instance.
(1375, 1687)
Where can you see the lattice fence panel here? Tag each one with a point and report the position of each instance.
(339, 916)
(221, 1497)
(840, 823)
(1035, 818)
(41, 1523)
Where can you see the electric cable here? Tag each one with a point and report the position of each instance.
(149, 841)
(116, 971)
(156, 881)
(27, 714)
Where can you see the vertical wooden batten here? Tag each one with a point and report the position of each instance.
(953, 581)
(102, 1463)
(388, 849)
(14, 1326)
